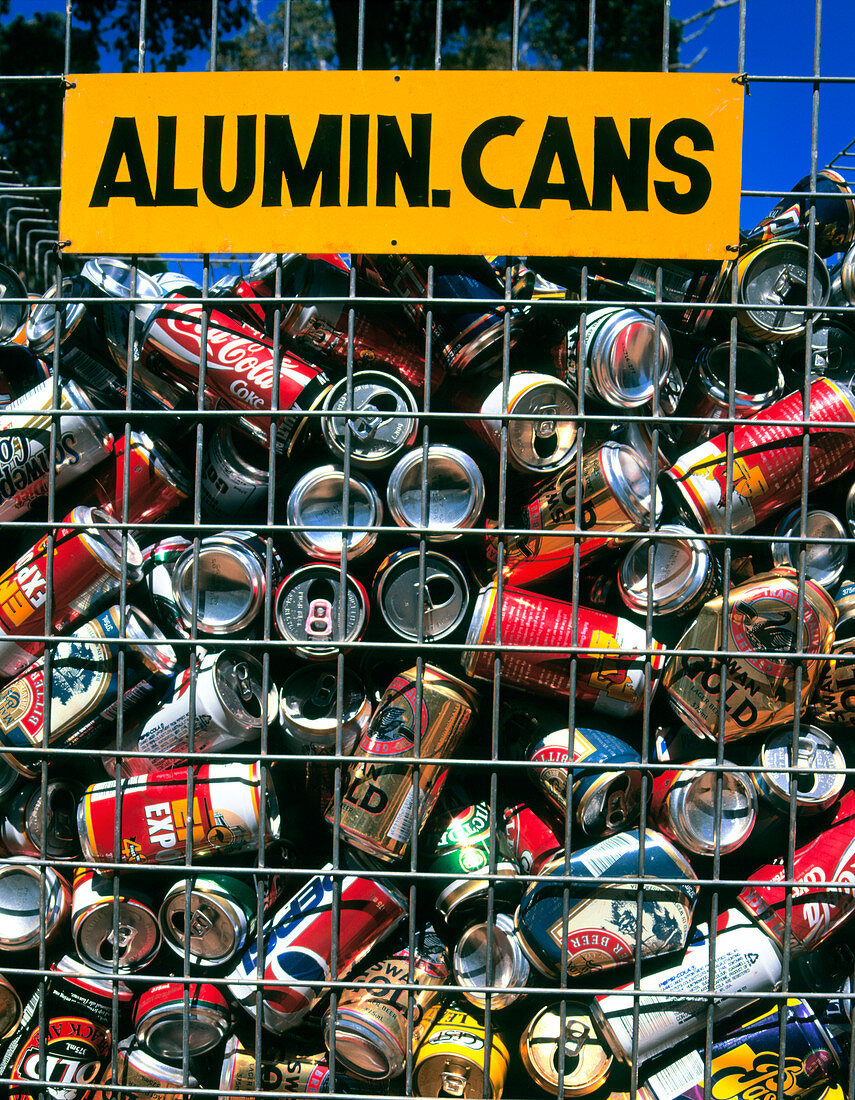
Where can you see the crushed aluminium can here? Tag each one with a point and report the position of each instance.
(137, 937)
(762, 630)
(600, 931)
(454, 1059)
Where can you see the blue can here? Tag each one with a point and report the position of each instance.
(604, 908)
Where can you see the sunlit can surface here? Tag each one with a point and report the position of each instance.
(553, 1036)
(453, 1059)
(378, 808)
(683, 806)
(94, 901)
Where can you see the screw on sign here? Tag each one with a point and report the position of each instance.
(458, 740)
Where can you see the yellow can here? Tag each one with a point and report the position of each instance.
(454, 1058)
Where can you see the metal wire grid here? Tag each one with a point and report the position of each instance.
(488, 770)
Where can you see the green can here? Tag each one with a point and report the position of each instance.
(222, 917)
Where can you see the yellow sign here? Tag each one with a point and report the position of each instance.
(581, 164)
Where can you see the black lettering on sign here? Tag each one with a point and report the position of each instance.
(123, 146)
(700, 184)
(212, 161)
(281, 158)
(473, 151)
(396, 162)
(357, 170)
(556, 144)
(612, 162)
(165, 191)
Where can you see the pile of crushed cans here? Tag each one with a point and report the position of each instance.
(417, 679)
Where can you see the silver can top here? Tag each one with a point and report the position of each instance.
(315, 514)
(692, 808)
(453, 493)
(758, 380)
(379, 424)
(628, 477)
(826, 552)
(238, 679)
(217, 928)
(138, 939)
(13, 313)
(397, 587)
(499, 944)
(773, 276)
(678, 572)
(105, 543)
(622, 356)
(230, 583)
(819, 772)
(308, 705)
(50, 318)
(21, 906)
(307, 607)
(541, 436)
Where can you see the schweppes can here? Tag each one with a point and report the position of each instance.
(599, 929)
(377, 808)
(746, 1063)
(454, 1059)
(762, 630)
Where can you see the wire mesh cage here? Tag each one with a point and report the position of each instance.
(430, 675)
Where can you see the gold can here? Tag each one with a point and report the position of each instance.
(454, 1059)
(370, 1031)
(615, 500)
(377, 808)
(586, 1061)
(762, 630)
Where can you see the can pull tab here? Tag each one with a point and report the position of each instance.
(201, 921)
(319, 622)
(243, 684)
(324, 694)
(454, 1079)
(616, 808)
(790, 288)
(575, 1037)
(372, 417)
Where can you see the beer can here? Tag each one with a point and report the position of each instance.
(833, 208)
(88, 563)
(550, 637)
(683, 806)
(309, 704)
(112, 932)
(767, 460)
(582, 768)
(616, 501)
(745, 961)
(822, 900)
(762, 629)
(149, 1077)
(455, 1059)
(298, 951)
(677, 579)
(235, 475)
(533, 837)
(229, 710)
(817, 771)
(377, 425)
(561, 1051)
(457, 846)
(42, 826)
(155, 813)
(749, 1059)
(600, 929)
(82, 441)
(157, 481)
(213, 915)
(224, 582)
(540, 419)
(21, 903)
(440, 493)
(369, 1032)
(488, 956)
(307, 607)
(823, 539)
(399, 585)
(84, 687)
(757, 382)
(316, 518)
(773, 281)
(379, 808)
(172, 1019)
(626, 356)
(294, 1075)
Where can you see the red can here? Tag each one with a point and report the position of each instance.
(240, 367)
(548, 638)
(767, 459)
(87, 569)
(533, 839)
(161, 1012)
(157, 482)
(824, 890)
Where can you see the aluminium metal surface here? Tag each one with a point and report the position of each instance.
(490, 768)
